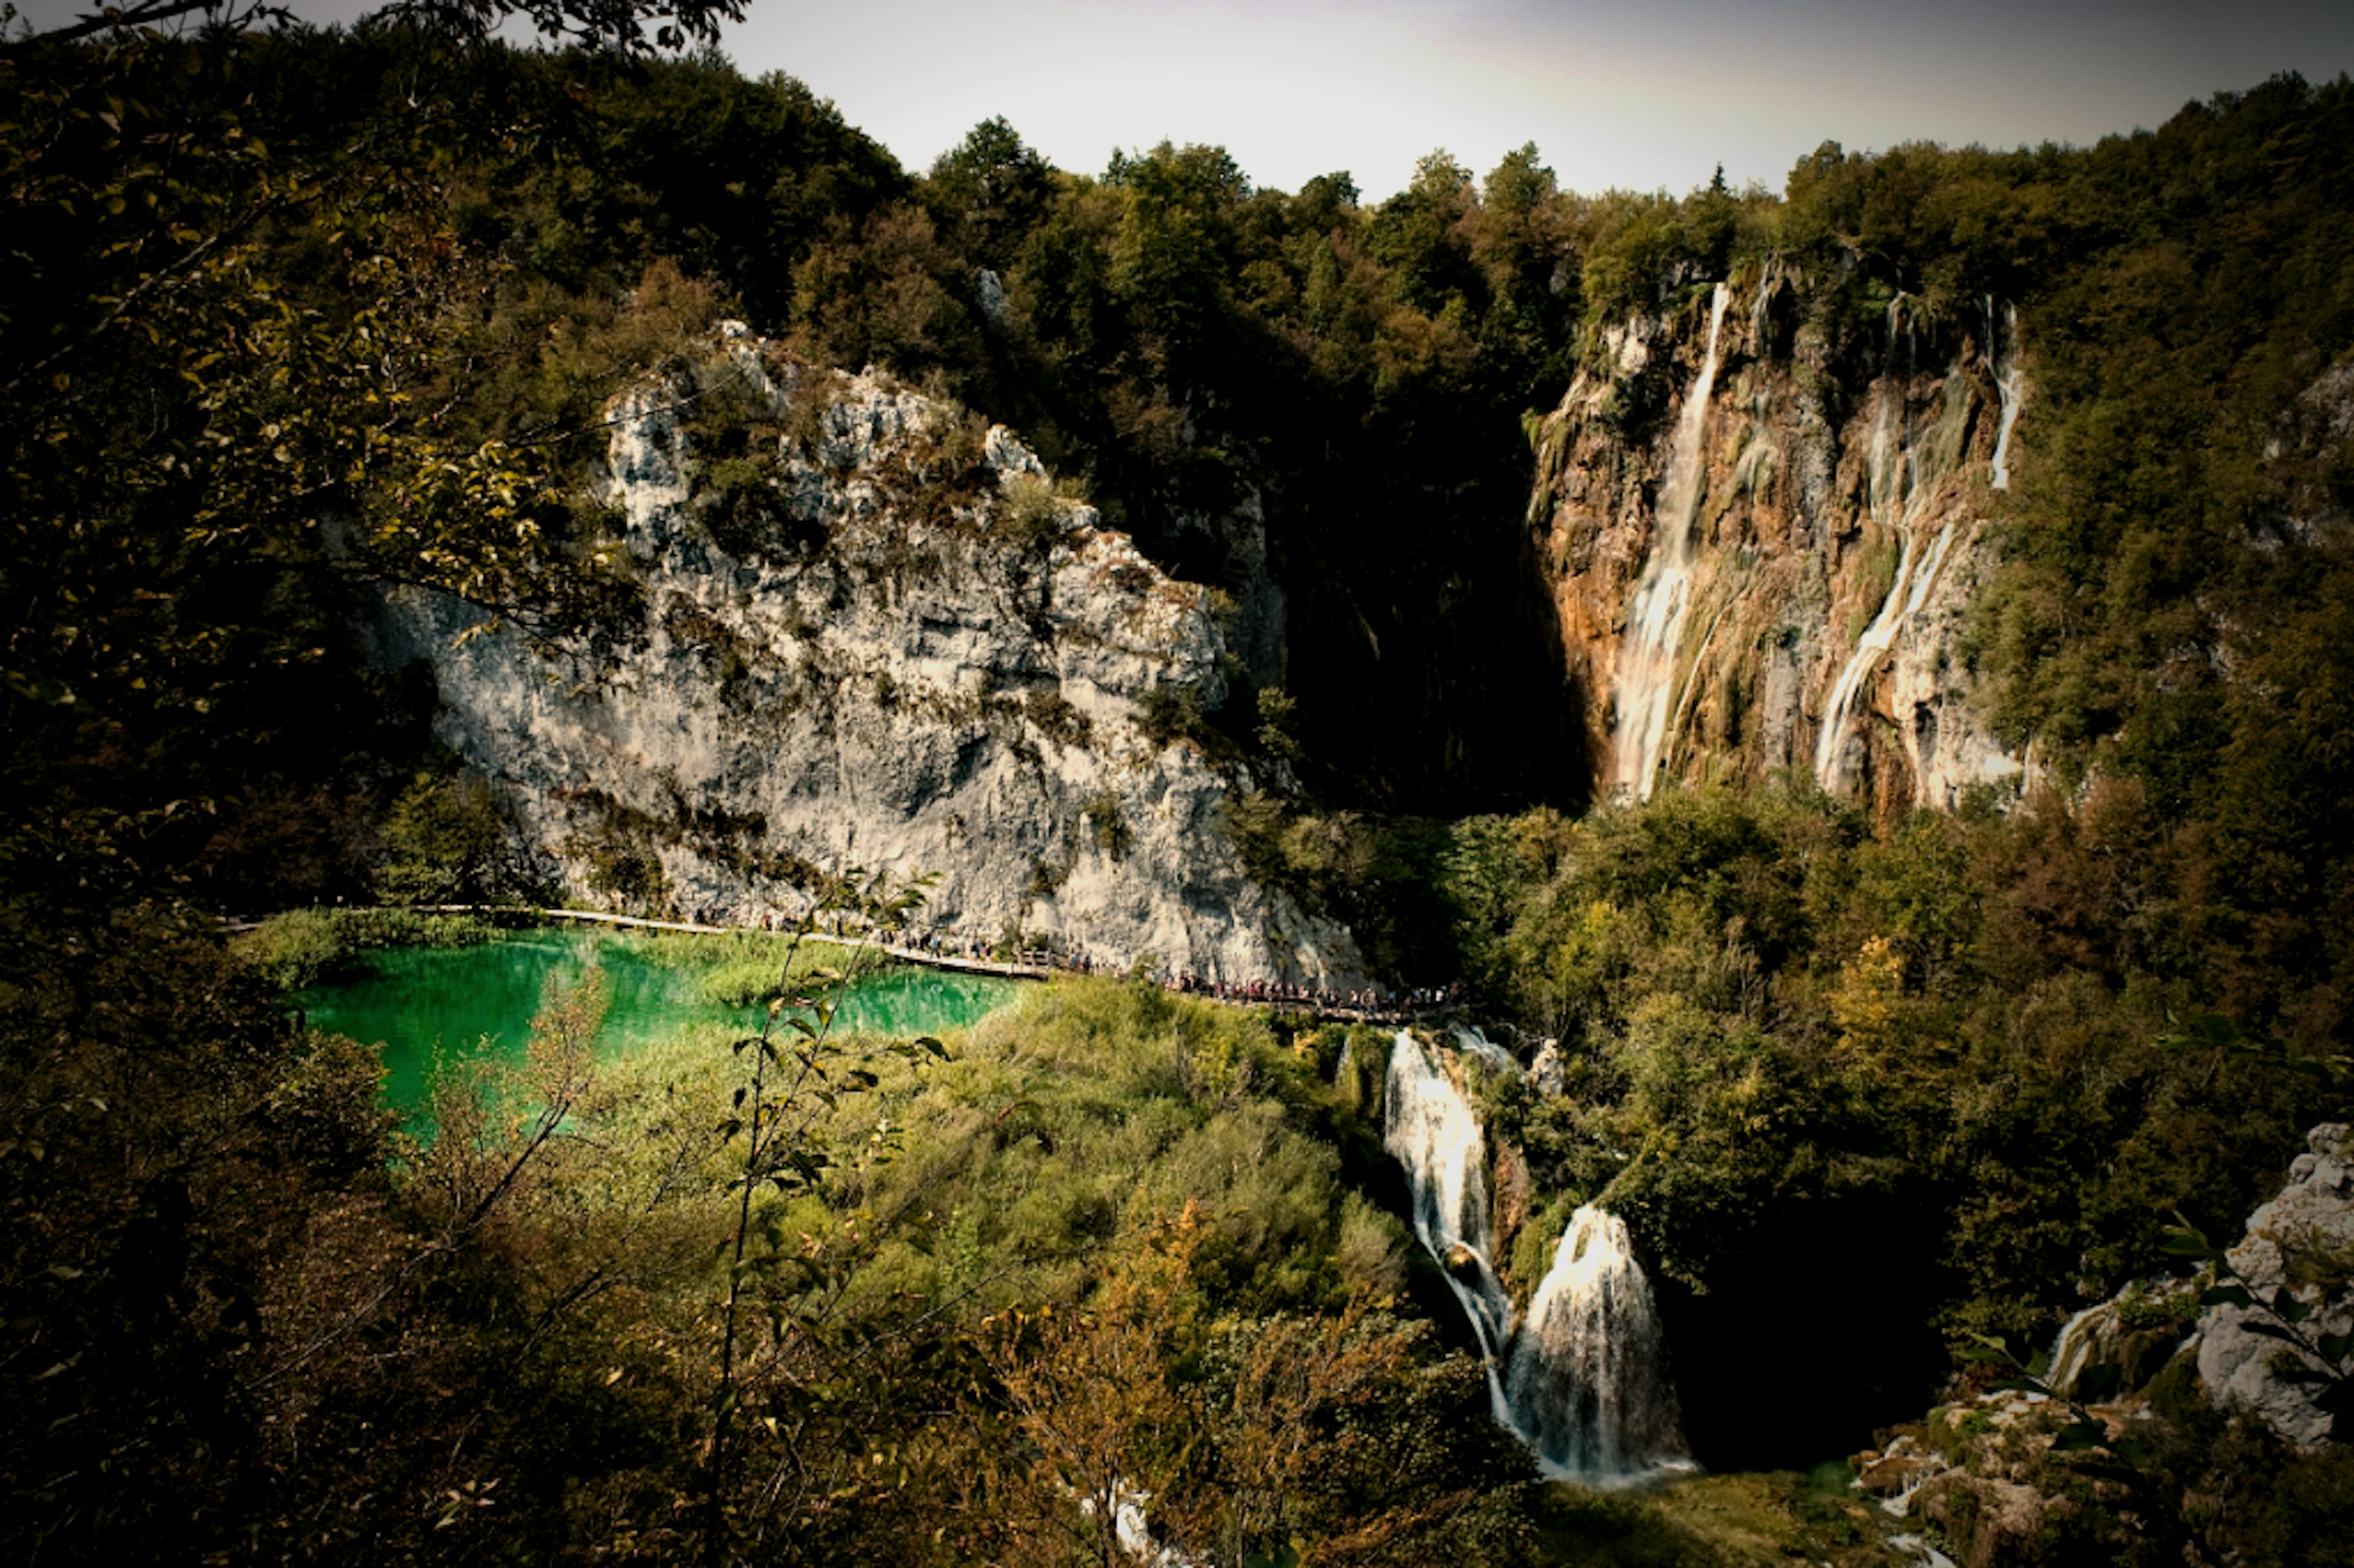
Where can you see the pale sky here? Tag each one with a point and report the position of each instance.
(1634, 93)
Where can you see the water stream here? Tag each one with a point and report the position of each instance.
(1583, 1381)
(1643, 691)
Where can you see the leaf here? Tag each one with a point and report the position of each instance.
(2075, 1435)
(2290, 1310)
(2334, 1347)
(2227, 1296)
(2272, 1331)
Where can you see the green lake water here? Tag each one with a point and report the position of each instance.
(459, 1002)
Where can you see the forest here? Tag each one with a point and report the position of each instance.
(289, 315)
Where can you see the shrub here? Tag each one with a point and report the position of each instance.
(1107, 825)
(292, 950)
(1170, 714)
(1030, 513)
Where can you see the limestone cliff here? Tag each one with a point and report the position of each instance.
(1763, 558)
(876, 639)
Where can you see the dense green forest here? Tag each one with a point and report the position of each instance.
(290, 315)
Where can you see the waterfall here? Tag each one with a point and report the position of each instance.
(1902, 478)
(2073, 1349)
(1587, 1385)
(1644, 689)
(1475, 1044)
(2007, 381)
(1582, 1382)
(1432, 1130)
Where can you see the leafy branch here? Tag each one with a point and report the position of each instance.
(798, 1073)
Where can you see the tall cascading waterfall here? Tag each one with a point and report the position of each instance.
(2002, 363)
(1901, 476)
(1643, 691)
(1583, 1381)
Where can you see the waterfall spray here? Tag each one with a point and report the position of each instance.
(1644, 690)
(1587, 1385)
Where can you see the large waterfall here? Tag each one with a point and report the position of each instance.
(1903, 470)
(2006, 385)
(1643, 691)
(1583, 1381)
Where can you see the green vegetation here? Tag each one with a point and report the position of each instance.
(1938, 1068)
(303, 946)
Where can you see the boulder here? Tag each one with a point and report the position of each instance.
(2299, 1249)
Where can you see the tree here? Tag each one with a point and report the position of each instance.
(989, 191)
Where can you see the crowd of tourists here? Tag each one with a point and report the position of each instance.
(1368, 1003)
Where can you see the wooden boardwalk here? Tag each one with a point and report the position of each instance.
(1030, 967)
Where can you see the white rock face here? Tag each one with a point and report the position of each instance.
(926, 663)
(2312, 1222)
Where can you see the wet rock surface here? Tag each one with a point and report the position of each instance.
(1834, 510)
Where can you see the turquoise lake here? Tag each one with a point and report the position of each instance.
(420, 1003)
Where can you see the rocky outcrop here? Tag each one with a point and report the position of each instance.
(883, 642)
(1838, 536)
(2297, 1263)
(2012, 1478)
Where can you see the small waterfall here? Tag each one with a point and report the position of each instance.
(1587, 1384)
(2074, 1348)
(1582, 1382)
(1644, 689)
(2003, 365)
(1475, 1044)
